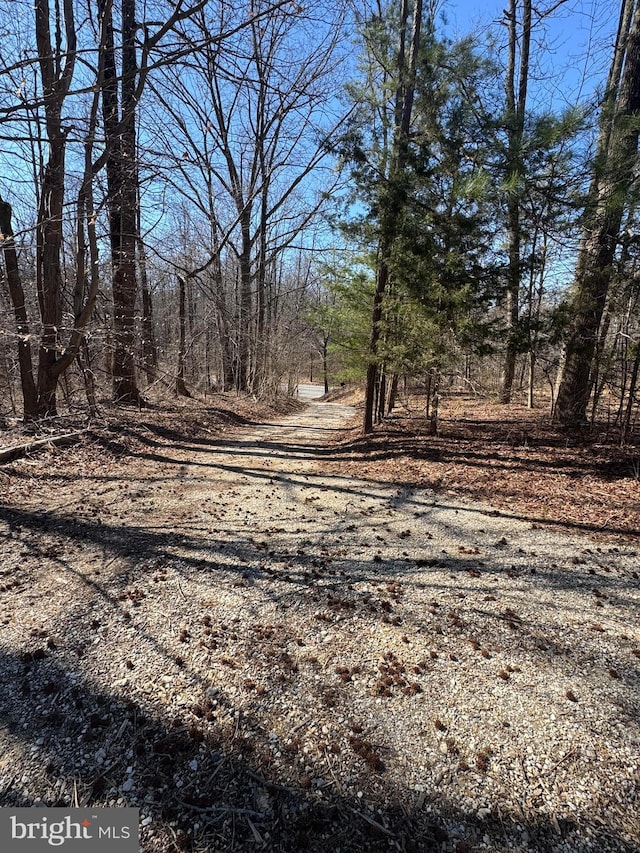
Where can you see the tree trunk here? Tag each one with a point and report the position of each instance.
(56, 80)
(84, 362)
(262, 330)
(382, 278)
(245, 304)
(325, 363)
(181, 388)
(125, 386)
(516, 106)
(122, 194)
(434, 388)
(49, 274)
(221, 301)
(597, 253)
(149, 348)
(382, 395)
(626, 428)
(393, 392)
(16, 292)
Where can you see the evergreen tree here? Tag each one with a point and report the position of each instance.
(424, 187)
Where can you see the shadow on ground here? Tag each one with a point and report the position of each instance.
(204, 775)
(195, 777)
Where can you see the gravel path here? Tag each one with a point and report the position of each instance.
(264, 654)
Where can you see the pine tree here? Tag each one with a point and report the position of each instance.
(426, 220)
(613, 176)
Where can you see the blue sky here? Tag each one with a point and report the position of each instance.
(572, 46)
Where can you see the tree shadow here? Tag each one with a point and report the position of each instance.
(216, 772)
(206, 775)
(202, 778)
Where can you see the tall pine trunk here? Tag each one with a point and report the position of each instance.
(391, 208)
(516, 105)
(615, 164)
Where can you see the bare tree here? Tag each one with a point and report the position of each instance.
(121, 94)
(246, 129)
(118, 110)
(56, 62)
(17, 295)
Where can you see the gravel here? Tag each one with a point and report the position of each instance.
(262, 653)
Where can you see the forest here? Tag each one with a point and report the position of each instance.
(201, 198)
(320, 425)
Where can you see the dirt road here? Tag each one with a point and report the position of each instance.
(262, 653)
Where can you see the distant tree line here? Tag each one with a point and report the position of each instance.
(205, 196)
(160, 196)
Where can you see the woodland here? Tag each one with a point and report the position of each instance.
(320, 421)
(203, 197)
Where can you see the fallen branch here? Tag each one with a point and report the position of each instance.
(211, 810)
(8, 454)
(372, 822)
(270, 786)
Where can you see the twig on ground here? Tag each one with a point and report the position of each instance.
(372, 822)
(204, 810)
